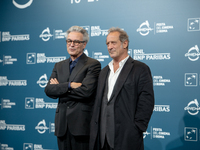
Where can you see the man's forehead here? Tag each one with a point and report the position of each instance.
(113, 36)
(76, 35)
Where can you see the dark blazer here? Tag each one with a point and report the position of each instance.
(134, 102)
(76, 110)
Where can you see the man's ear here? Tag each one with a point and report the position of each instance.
(84, 45)
(125, 44)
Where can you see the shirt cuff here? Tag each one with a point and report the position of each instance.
(69, 87)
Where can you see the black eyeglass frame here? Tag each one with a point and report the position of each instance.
(76, 42)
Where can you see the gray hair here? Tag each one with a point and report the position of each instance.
(78, 29)
(123, 36)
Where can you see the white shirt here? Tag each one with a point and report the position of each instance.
(114, 75)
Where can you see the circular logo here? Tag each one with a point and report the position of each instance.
(144, 28)
(22, 6)
(193, 53)
(46, 34)
(41, 127)
(42, 81)
(193, 107)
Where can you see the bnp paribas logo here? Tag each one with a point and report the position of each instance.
(28, 146)
(190, 134)
(193, 24)
(22, 6)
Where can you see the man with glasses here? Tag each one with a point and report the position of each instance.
(73, 81)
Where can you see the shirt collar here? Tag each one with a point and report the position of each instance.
(121, 63)
(76, 60)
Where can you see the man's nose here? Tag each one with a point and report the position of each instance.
(109, 46)
(72, 43)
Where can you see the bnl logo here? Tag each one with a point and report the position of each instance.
(190, 134)
(191, 79)
(87, 28)
(193, 24)
(31, 58)
(28, 146)
(29, 103)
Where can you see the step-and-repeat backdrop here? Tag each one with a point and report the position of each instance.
(164, 34)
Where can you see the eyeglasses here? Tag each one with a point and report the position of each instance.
(75, 42)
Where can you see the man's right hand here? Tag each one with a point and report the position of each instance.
(54, 81)
(75, 85)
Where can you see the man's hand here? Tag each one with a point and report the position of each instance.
(75, 85)
(54, 81)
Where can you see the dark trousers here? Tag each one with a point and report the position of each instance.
(71, 142)
(106, 146)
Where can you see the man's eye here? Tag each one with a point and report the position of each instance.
(76, 42)
(113, 42)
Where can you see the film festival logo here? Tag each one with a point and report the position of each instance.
(156, 133)
(42, 128)
(8, 60)
(5, 147)
(57, 34)
(99, 56)
(144, 29)
(42, 81)
(190, 134)
(191, 79)
(193, 53)
(193, 107)
(160, 81)
(6, 103)
(139, 54)
(39, 103)
(193, 24)
(11, 127)
(46, 35)
(145, 134)
(33, 58)
(22, 6)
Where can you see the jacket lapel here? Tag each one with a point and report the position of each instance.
(80, 64)
(102, 81)
(122, 77)
(66, 69)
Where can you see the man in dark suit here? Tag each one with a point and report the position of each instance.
(124, 101)
(74, 82)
